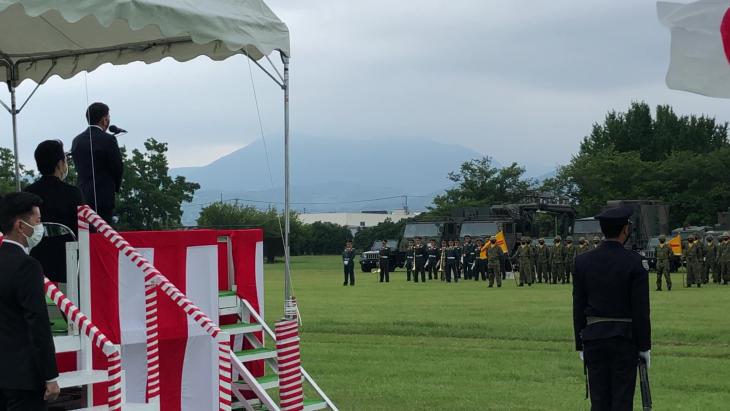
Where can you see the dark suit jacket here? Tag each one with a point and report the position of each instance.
(27, 354)
(611, 282)
(108, 166)
(60, 202)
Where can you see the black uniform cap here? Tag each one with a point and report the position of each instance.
(616, 215)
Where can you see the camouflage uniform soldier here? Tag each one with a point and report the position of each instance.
(570, 253)
(522, 255)
(693, 257)
(664, 255)
(542, 261)
(711, 251)
(557, 257)
(596, 242)
(583, 246)
(494, 262)
(724, 258)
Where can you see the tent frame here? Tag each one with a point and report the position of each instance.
(11, 68)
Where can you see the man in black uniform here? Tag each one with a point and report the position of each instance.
(419, 254)
(348, 259)
(451, 262)
(384, 262)
(459, 254)
(409, 260)
(100, 174)
(469, 257)
(611, 313)
(433, 257)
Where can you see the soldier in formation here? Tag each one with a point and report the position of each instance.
(409, 260)
(384, 262)
(557, 259)
(663, 253)
(480, 263)
(469, 257)
(693, 259)
(710, 261)
(459, 253)
(570, 253)
(452, 261)
(723, 258)
(432, 262)
(542, 261)
(443, 259)
(419, 259)
(348, 260)
(596, 242)
(523, 255)
(494, 262)
(583, 246)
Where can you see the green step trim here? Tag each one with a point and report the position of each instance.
(267, 379)
(226, 293)
(59, 327)
(309, 401)
(49, 301)
(255, 351)
(241, 324)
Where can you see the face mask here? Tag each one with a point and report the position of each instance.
(628, 235)
(65, 173)
(37, 236)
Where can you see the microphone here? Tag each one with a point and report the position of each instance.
(116, 130)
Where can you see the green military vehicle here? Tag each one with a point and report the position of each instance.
(369, 259)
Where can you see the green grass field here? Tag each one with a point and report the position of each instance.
(406, 346)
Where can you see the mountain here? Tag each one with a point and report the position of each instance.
(330, 174)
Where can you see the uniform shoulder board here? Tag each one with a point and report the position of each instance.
(645, 264)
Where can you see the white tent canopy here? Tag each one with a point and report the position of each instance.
(41, 38)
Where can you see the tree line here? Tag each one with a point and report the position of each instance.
(682, 160)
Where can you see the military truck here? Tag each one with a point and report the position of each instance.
(369, 259)
(650, 219)
(588, 228)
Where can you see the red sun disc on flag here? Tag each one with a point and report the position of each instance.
(725, 32)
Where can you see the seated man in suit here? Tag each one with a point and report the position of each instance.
(98, 162)
(60, 202)
(27, 354)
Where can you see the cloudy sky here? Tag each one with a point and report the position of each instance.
(519, 80)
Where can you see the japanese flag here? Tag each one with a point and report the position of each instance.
(700, 47)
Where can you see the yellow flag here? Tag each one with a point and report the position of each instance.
(676, 245)
(501, 242)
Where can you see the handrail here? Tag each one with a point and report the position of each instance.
(112, 352)
(271, 334)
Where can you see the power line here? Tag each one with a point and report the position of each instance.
(247, 200)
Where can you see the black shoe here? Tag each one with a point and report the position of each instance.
(499, 285)
(490, 286)
(521, 285)
(529, 284)
(669, 288)
(352, 285)
(699, 285)
(659, 288)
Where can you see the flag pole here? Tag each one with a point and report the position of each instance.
(287, 267)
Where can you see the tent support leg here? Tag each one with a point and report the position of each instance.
(14, 115)
(287, 268)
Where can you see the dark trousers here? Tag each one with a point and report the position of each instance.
(468, 272)
(451, 271)
(421, 270)
(22, 400)
(350, 273)
(384, 273)
(432, 270)
(409, 269)
(612, 367)
(480, 269)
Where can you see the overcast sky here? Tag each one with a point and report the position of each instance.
(519, 80)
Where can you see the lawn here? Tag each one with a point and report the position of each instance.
(429, 346)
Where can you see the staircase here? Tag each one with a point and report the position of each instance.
(264, 388)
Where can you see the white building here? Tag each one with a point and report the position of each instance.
(355, 221)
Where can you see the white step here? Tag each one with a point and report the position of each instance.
(80, 378)
(67, 343)
(125, 407)
(227, 301)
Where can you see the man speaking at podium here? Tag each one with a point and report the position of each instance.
(100, 174)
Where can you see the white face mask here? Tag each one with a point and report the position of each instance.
(65, 173)
(37, 236)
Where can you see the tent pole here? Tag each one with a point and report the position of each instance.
(287, 268)
(14, 115)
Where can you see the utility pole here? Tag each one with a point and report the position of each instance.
(405, 205)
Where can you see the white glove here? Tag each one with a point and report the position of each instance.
(646, 355)
(580, 354)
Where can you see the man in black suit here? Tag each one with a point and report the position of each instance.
(100, 174)
(60, 202)
(28, 373)
(611, 313)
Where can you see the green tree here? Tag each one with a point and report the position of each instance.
(150, 198)
(479, 183)
(7, 172)
(327, 238)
